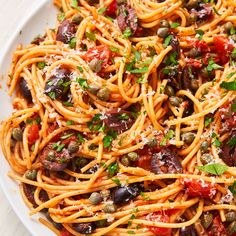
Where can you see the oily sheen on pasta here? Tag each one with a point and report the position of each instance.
(124, 119)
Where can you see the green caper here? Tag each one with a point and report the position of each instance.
(192, 4)
(206, 220)
(164, 24)
(192, 17)
(169, 91)
(230, 216)
(17, 134)
(100, 223)
(77, 18)
(81, 162)
(232, 228)
(95, 65)
(228, 26)
(109, 208)
(133, 156)
(106, 193)
(125, 161)
(51, 156)
(152, 142)
(93, 88)
(31, 174)
(195, 84)
(73, 147)
(95, 198)
(204, 146)
(206, 158)
(194, 52)
(175, 101)
(188, 137)
(104, 94)
(162, 32)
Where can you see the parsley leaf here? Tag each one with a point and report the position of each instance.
(231, 74)
(107, 140)
(101, 10)
(66, 136)
(80, 69)
(116, 181)
(72, 43)
(113, 49)
(208, 121)
(232, 142)
(232, 188)
(127, 33)
(167, 40)
(52, 95)
(138, 71)
(74, 4)
(41, 65)
(123, 116)
(213, 66)
(167, 137)
(68, 104)
(233, 106)
(61, 16)
(174, 25)
(229, 85)
(199, 34)
(70, 122)
(215, 169)
(90, 36)
(82, 82)
(112, 169)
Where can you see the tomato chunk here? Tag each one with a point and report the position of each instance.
(33, 134)
(111, 10)
(199, 188)
(144, 162)
(159, 216)
(64, 232)
(217, 228)
(101, 52)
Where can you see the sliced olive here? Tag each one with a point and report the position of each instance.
(230, 216)
(84, 228)
(164, 24)
(77, 19)
(188, 137)
(232, 228)
(206, 158)
(204, 146)
(25, 91)
(169, 91)
(31, 174)
(206, 220)
(93, 88)
(17, 134)
(73, 147)
(95, 65)
(228, 26)
(125, 161)
(95, 198)
(175, 101)
(133, 156)
(109, 208)
(104, 94)
(162, 32)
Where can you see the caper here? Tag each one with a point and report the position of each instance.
(81, 162)
(77, 18)
(206, 220)
(133, 156)
(204, 146)
(175, 101)
(192, 17)
(162, 32)
(125, 161)
(194, 52)
(188, 137)
(169, 91)
(93, 88)
(95, 65)
(95, 198)
(232, 228)
(152, 142)
(228, 26)
(206, 158)
(164, 24)
(230, 216)
(192, 4)
(100, 223)
(73, 147)
(194, 84)
(106, 193)
(51, 156)
(31, 174)
(17, 134)
(109, 208)
(104, 94)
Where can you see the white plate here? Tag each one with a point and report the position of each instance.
(36, 23)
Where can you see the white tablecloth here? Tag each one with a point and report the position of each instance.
(12, 12)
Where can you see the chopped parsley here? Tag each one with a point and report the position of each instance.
(113, 49)
(123, 116)
(41, 65)
(212, 65)
(107, 140)
(145, 196)
(233, 106)
(139, 71)
(127, 33)
(61, 16)
(80, 69)
(58, 146)
(70, 122)
(90, 36)
(232, 188)
(208, 121)
(72, 43)
(167, 40)
(102, 10)
(174, 25)
(66, 136)
(232, 142)
(68, 104)
(231, 74)
(199, 34)
(82, 82)
(52, 95)
(167, 137)
(231, 86)
(216, 141)
(215, 169)
(112, 169)
(80, 138)
(116, 181)
(74, 4)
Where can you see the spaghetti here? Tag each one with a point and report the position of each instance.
(124, 119)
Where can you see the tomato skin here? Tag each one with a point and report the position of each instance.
(33, 134)
(160, 217)
(223, 48)
(64, 232)
(217, 228)
(101, 52)
(198, 188)
(195, 63)
(144, 162)
(201, 46)
(111, 10)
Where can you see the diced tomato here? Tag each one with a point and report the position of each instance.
(68, 140)
(111, 10)
(144, 161)
(217, 228)
(33, 134)
(199, 188)
(223, 48)
(159, 216)
(50, 129)
(101, 52)
(195, 63)
(64, 232)
(201, 46)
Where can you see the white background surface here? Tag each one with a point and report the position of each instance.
(12, 13)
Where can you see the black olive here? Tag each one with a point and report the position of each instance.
(93, 169)
(84, 228)
(25, 90)
(165, 161)
(126, 193)
(58, 85)
(188, 231)
(55, 224)
(66, 31)
(228, 153)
